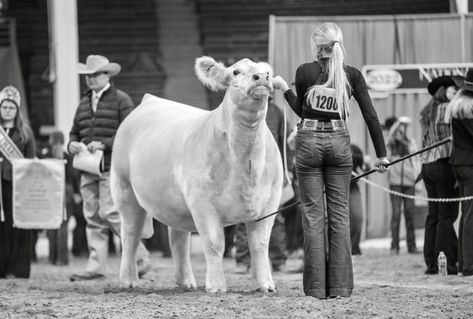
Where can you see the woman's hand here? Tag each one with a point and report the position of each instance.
(280, 84)
(380, 165)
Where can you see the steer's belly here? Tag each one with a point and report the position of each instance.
(175, 216)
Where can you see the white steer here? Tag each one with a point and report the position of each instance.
(198, 170)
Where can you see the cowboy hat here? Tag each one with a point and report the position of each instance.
(465, 82)
(442, 81)
(98, 63)
(10, 93)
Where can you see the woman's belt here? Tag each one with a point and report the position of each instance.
(322, 126)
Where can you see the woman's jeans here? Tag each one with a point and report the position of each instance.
(440, 234)
(324, 159)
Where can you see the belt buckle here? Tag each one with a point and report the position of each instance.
(310, 124)
(325, 126)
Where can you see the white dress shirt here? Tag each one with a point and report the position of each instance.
(97, 95)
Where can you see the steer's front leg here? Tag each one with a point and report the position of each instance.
(213, 240)
(258, 241)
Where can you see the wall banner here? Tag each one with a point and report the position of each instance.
(408, 78)
(38, 193)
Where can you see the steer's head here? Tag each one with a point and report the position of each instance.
(246, 82)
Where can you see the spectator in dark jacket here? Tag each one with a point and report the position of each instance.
(460, 113)
(96, 121)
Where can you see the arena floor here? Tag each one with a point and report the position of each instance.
(385, 287)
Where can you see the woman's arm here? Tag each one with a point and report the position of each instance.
(360, 92)
(294, 101)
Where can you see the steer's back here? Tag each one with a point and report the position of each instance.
(147, 146)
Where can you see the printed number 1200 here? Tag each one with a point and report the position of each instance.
(325, 103)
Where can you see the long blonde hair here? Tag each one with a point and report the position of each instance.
(328, 36)
(461, 106)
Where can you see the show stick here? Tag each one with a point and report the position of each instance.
(444, 141)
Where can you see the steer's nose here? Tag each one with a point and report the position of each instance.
(262, 78)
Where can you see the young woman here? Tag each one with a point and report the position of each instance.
(15, 243)
(438, 177)
(460, 113)
(324, 159)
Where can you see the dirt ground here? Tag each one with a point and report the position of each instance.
(385, 287)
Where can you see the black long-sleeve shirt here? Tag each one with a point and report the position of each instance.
(306, 76)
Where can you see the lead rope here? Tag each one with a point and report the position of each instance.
(284, 148)
(421, 198)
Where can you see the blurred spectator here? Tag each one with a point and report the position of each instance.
(293, 216)
(229, 233)
(355, 203)
(402, 178)
(58, 238)
(15, 244)
(160, 239)
(79, 236)
(97, 118)
(439, 179)
(460, 113)
(277, 242)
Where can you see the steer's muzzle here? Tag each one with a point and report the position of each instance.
(261, 78)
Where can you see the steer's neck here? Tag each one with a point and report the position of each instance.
(249, 115)
(245, 125)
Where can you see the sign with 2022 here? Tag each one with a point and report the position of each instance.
(408, 78)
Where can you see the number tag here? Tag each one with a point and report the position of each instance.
(324, 100)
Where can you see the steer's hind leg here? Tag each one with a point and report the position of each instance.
(180, 248)
(258, 241)
(133, 221)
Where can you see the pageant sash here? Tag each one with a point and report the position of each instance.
(11, 152)
(8, 147)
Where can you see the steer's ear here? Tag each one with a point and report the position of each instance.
(212, 74)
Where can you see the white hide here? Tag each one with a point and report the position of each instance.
(197, 170)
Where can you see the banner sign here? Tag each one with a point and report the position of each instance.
(38, 193)
(408, 78)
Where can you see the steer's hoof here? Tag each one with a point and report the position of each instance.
(269, 288)
(187, 286)
(214, 290)
(265, 290)
(128, 284)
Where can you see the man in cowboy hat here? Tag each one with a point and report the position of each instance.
(96, 121)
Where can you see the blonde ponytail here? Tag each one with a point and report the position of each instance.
(328, 36)
(461, 106)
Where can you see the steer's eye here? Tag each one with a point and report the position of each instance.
(236, 72)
